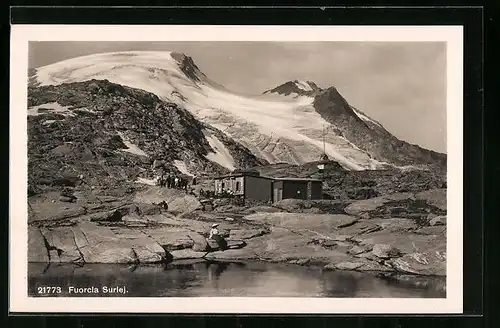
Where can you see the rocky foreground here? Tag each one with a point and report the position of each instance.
(398, 233)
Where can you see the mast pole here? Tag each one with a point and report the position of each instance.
(324, 145)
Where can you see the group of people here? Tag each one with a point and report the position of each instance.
(173, 181)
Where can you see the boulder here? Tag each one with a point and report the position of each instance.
(325, 243)
(177, 200)
(54, 256)
(247, 233)
(434, 197)
(171, 238)
(395, 224)
(230, 243)
(292, 205)
(229, 209)
(413, 281)
(200, 243)
(357, 249)
(129, 210)
(407, 242)
(397, 211)
(232, 255)
(109, 216)
(316, 224)
(100, 244)
(108, 199)
(37, 250)
(350, 266)
(385, 251)
(235, 244)
(62, 240)
(149, 209)
(134, 220)
(148, 251)
(67, 180)
(438, 221)
(362, 193)
(48, 207)
(185, 254)
(312, 210)
(262, 209)
(372, 204)
(157, 164)
(438, 230)
(67, 199)
(427, 263)
(111, 252)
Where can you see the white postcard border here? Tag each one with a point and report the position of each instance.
(22, 34)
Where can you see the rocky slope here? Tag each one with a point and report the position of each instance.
(285, 124)
(371, 136)
(382, 234)
(98, 133)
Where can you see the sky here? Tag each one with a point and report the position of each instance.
(400, 84)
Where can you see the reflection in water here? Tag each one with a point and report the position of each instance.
(207, 278)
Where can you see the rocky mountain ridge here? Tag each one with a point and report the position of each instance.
(359, 129)
(107, 134)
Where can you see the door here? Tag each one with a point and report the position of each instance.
(280, 193)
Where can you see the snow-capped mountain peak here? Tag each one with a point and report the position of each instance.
(296, 87)
(296, 122)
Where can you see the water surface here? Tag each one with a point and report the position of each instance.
(205, 279)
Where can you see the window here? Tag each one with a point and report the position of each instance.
(237, 186)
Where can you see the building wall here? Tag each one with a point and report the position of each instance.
(230, 183)
(258, 188)
(262, 189)
(316, 190)
(291, 189)
(277, 195)
(238, 185)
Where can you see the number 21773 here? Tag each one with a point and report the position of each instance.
(49, 290)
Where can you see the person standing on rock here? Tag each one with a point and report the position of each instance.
(176, 182)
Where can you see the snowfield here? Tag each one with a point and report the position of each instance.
(303, 85)
(55, 108)
(181, 166)
(276, 128)
(222, 155)
(149, 182)
(131, 148)
(364, 117)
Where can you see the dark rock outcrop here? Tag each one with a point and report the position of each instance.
(371, 136)
(110, 134)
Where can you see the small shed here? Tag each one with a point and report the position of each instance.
(298, 188)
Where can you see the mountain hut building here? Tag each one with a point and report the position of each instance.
(253, 186)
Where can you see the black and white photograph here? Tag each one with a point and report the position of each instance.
(301, 169)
